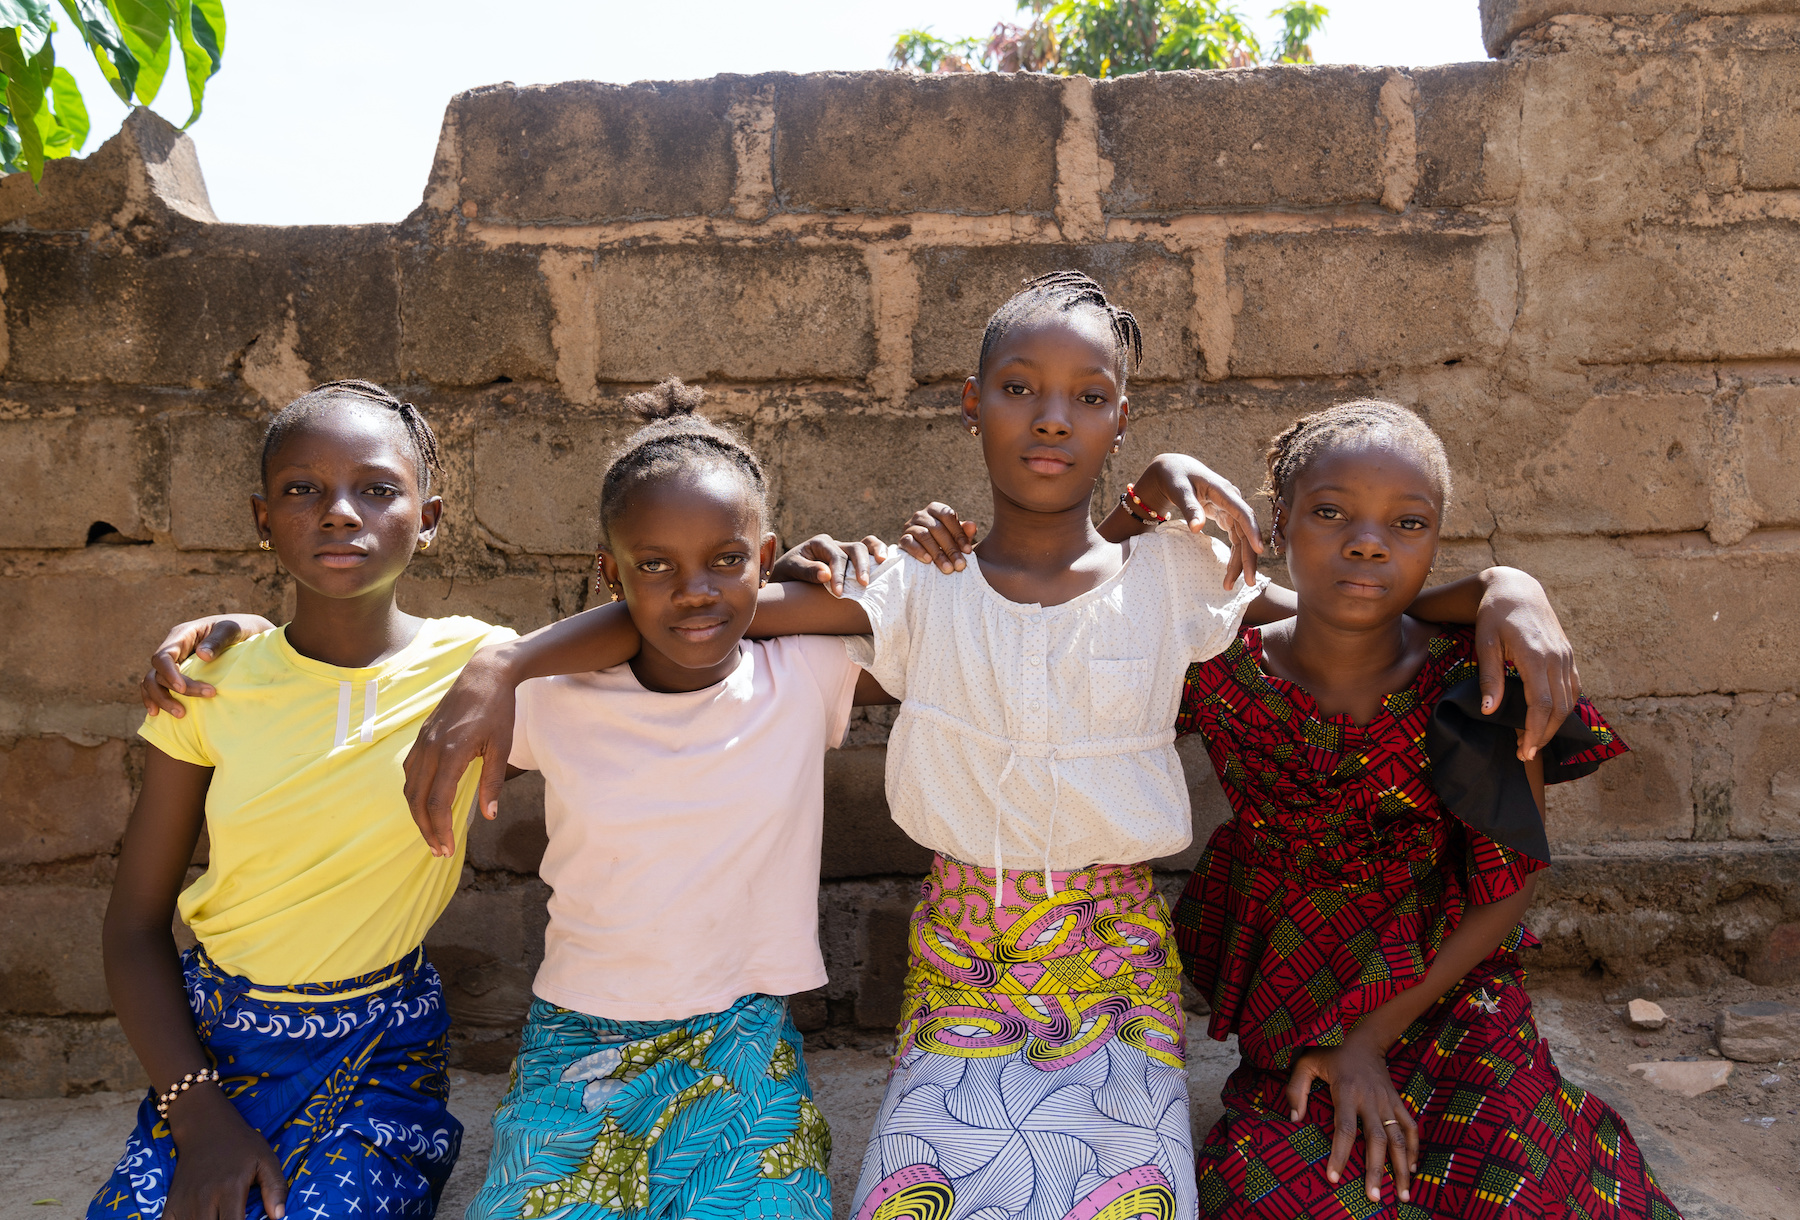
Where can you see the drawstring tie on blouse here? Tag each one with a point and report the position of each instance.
(1012, 753)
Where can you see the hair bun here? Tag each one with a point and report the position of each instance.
(667, 400)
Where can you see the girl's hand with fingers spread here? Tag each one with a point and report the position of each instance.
(1182, 488)
(1362, 1093)
(936, 535)
(222, 1158)
(823, 560)
(203, 637)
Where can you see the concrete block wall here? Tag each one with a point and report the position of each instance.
(1580, 262)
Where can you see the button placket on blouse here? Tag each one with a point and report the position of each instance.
(1035, 639)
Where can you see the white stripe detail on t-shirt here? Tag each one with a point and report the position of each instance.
(368, 724)
(343, 716)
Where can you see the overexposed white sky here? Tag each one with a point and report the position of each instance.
(327, 112)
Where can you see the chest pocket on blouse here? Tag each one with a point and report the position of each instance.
(1118, 690)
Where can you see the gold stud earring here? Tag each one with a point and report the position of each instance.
(1115, 446)
(424, 544)
(974, 430)
(264, 544)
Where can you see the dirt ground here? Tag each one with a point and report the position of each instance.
(1731, 1154)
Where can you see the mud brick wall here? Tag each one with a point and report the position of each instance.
(1581, 262)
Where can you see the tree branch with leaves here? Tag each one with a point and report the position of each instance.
(44, 115)
(1103, 38)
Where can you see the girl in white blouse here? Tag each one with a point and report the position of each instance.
(1039, 1067)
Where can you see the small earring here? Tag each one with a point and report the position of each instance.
(1115, 446)
(974, 430)
(764, 582)
(264, 544)
(424, 544)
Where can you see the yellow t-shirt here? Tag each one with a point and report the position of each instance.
(317, 871)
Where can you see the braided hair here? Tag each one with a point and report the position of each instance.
(1365, 421)
(1060, 292)
(320, 398)
(673, 439)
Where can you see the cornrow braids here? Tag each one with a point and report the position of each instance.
(303, 409)
(1060, 292)
(1350, 423)
(674, 438)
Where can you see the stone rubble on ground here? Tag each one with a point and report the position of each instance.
(1687, 1079)
(1760, 1032)
(1646, 1014)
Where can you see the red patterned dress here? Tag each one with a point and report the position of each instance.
(1326, 895)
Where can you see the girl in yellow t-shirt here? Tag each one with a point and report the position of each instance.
(299, 1047)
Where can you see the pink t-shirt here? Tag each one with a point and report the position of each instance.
(684, 830)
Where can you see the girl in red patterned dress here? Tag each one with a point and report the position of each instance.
(1356, 922)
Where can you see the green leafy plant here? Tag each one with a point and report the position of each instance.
(927, 52)
(44, 115)
(1113, 37)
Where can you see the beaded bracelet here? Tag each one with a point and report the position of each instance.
(1129, 497)
(167, 1099)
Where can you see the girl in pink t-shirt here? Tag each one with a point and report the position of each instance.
(659, 1072)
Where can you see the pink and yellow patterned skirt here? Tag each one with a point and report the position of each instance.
(1039, 1063)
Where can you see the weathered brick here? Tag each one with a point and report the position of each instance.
(1504, 20)
(1770, 418)
(1770, 100)
(881, 984)
(1625, 464)
(213, 470)
(732, 313)
(1605, 141)
(1765, 795)
(488, 946)
(1625, 908)
(1318, 304)
(98, 623)
(326, 298)
(537, 480)
(582, 152)
(1467, 129)
(515, 840)
(1648, 794)
(60, 800)
(523, 601)
(1776, 958)
(61, 475)
(1289, 135)
(1731, 292)
(50, 950)
(861, 839)
(828, 479)
(959, 287)
(66, 1058)
(1672, 614)
(894, 142)
(469, 317)
(147, 171)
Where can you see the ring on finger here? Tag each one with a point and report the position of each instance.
(1390, 1122)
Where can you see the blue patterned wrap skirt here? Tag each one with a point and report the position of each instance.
(350, 1093)
(707, 1117)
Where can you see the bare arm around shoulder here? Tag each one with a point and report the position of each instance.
(475, 717)
(221, 1155)
(797, 608)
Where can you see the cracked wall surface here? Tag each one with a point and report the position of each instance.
(1580, 262)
